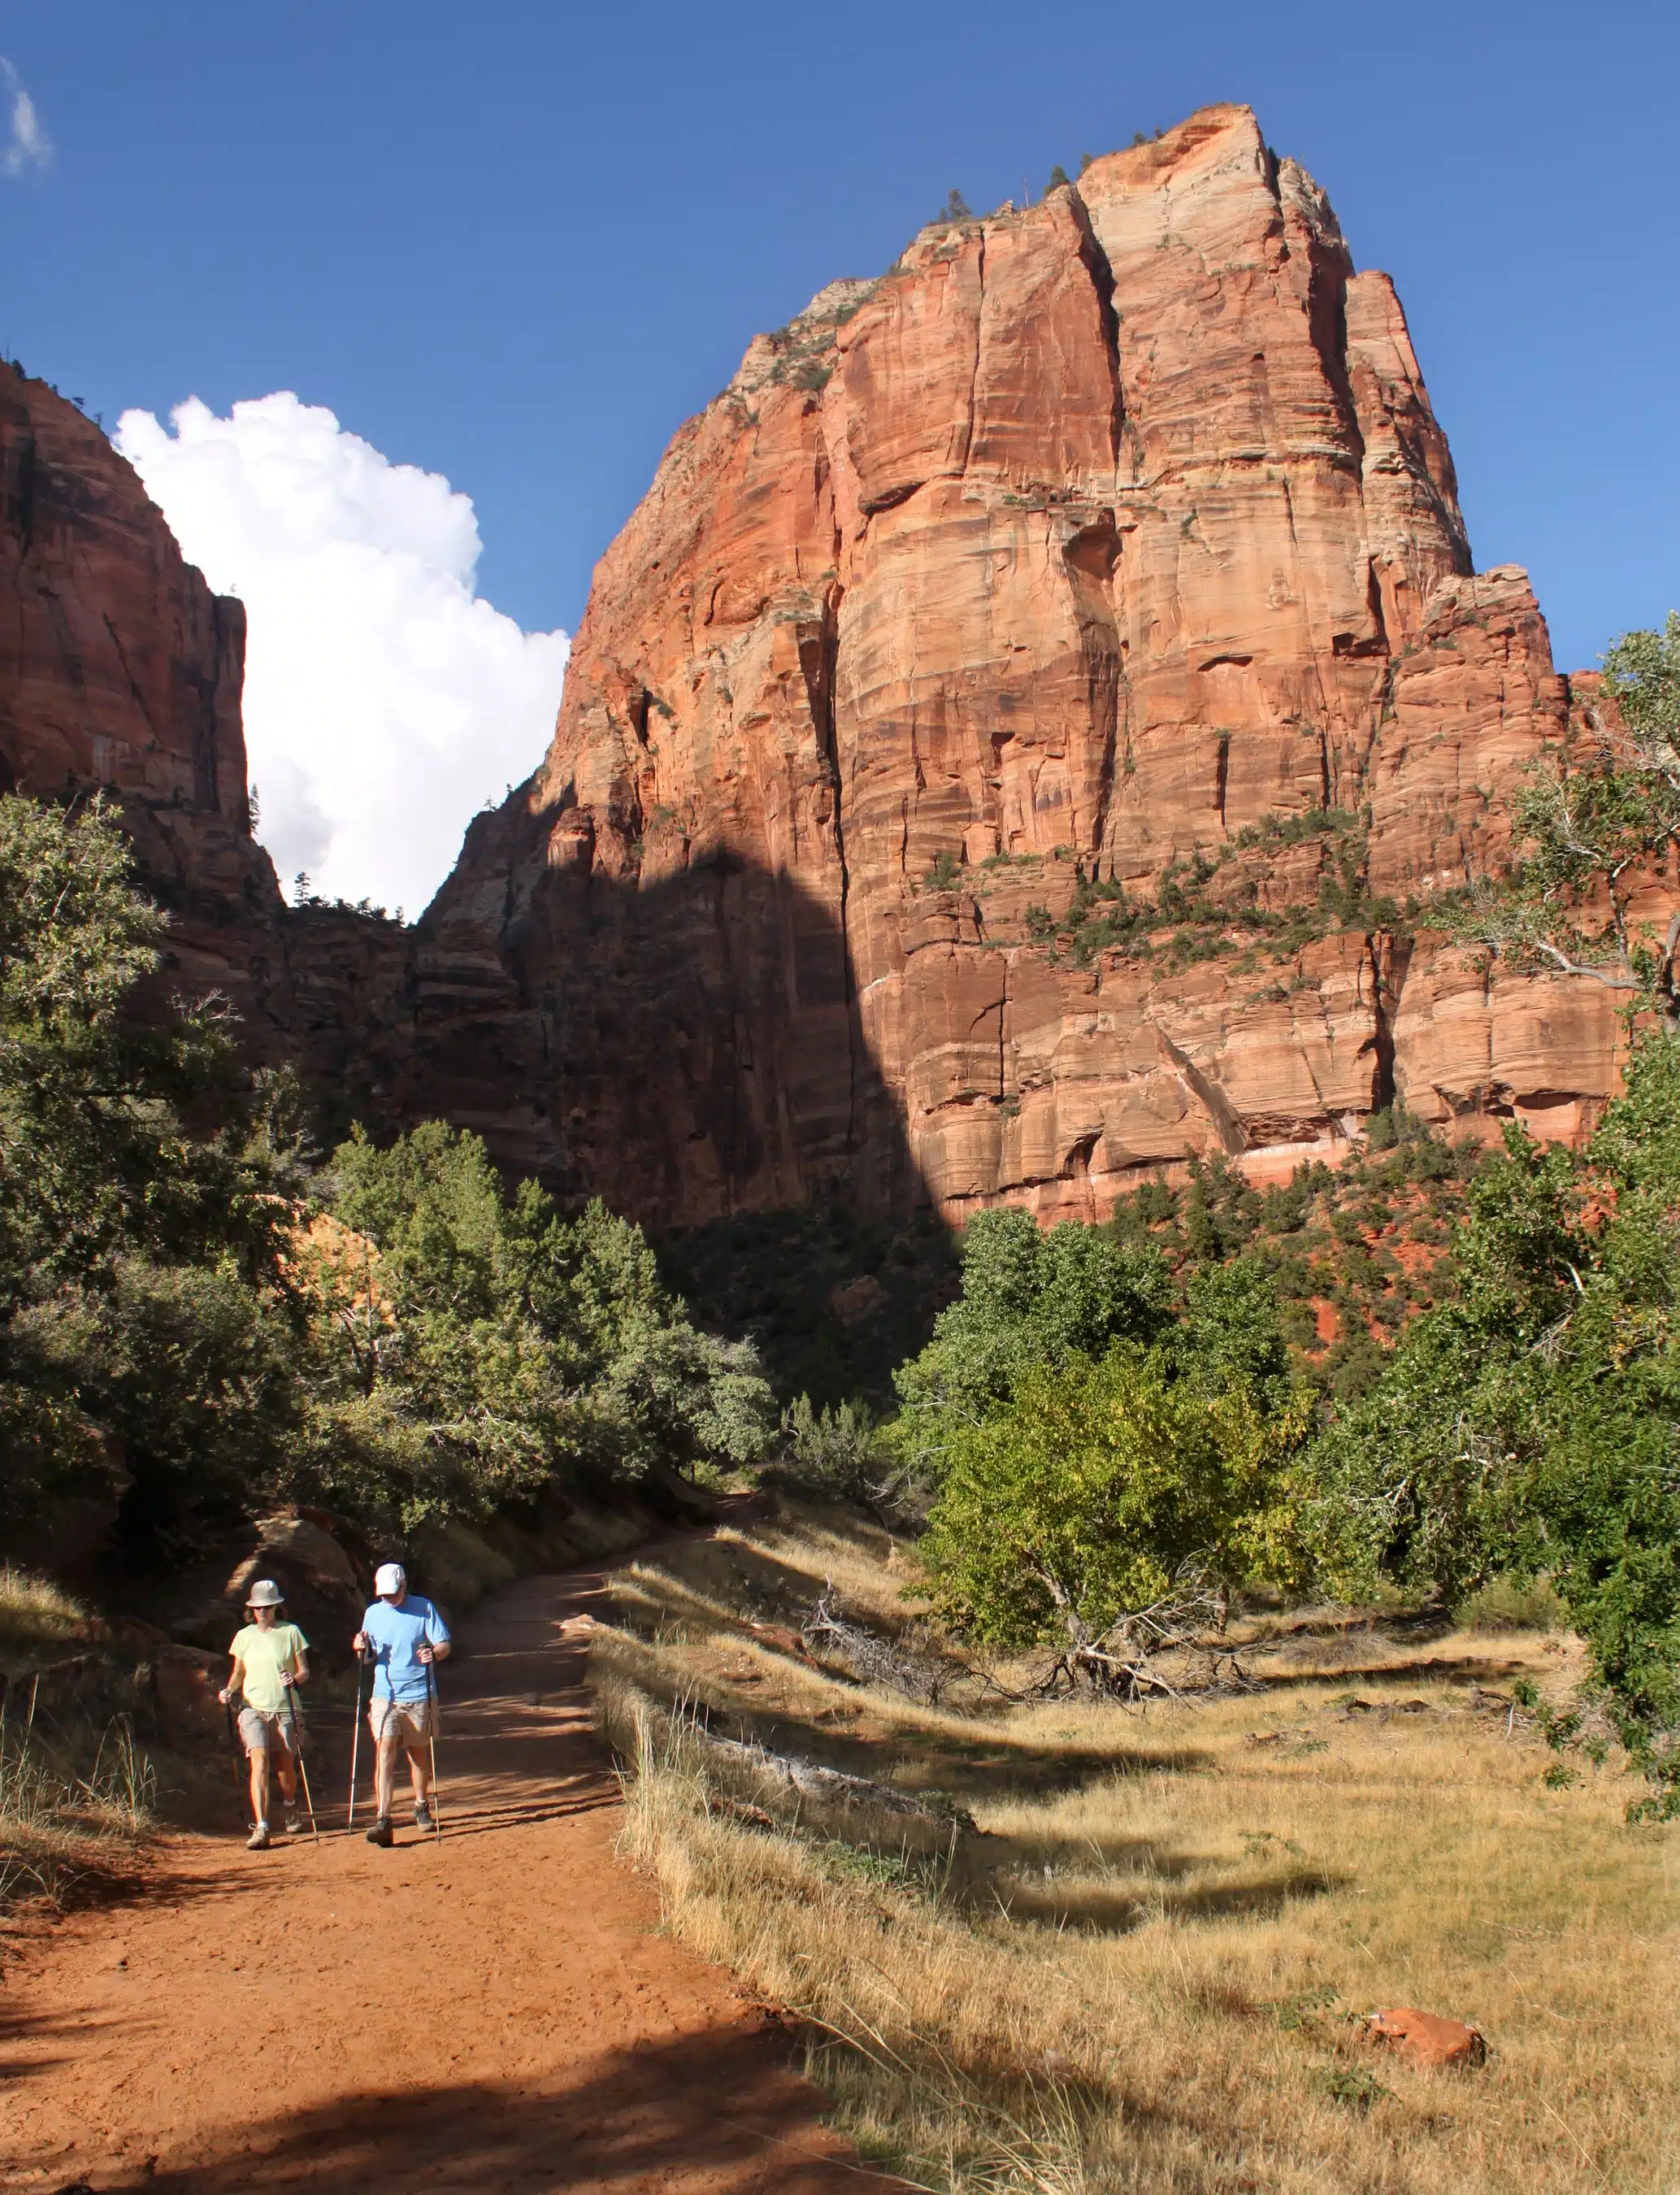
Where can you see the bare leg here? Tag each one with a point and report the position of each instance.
(419, 1772)
(386, 1774)
(286, 1769)
(259, 1782)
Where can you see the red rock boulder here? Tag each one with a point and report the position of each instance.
(1424, 2039)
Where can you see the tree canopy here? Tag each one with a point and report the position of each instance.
(198, 1319)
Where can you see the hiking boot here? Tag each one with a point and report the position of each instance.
(294, 1822)
(258, 1839)
(424, 1816)
(380, 1834)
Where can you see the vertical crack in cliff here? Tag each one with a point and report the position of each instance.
(1217, 1105)
(1095, 260)
(822, 667)
(128, 673)
(978, 345)
(1385, 993)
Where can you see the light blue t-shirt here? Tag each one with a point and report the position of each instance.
(398, 1634)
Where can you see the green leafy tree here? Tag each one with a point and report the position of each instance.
(835, 1451)
(1029, 1300)
(1083, 1497)
(1533, 1424)
(533, 1345)
(145, 1183)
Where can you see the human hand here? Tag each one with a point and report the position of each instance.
(358, 1644)
(425, 1653)
(225, 1694)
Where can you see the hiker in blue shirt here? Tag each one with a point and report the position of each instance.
(402, 1634)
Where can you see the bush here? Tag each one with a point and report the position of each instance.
(836, 1453)
(1511, 1603)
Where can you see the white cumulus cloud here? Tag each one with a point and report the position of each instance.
(27, 145)
(385, 700)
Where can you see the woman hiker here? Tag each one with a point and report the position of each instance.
(269, 1657)
(402, 1634)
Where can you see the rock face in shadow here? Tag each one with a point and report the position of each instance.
(685, 1043)
(120, 671)
(1094, 542)
(996, 757)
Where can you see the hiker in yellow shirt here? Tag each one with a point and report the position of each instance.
(269, 1657)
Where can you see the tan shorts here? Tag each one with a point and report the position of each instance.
(259, 1728)
(408, 1721)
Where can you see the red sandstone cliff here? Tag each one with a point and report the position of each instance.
(995, 758)
(1112, 533)
(120, 669)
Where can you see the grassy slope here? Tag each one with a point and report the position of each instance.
(75, 1789)
(1136, 1977)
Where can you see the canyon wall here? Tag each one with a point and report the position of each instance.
(121, 672)
(1108, 546)
(1002, 754)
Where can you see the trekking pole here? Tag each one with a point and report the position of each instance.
(362, 1660)
(241, 1765)
(432, 1739)
(297, 1748)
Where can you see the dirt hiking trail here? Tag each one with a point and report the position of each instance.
(492, 2012)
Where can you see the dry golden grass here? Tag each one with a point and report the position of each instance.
(75, 1794)
(35, 1615)
(1137, 1976)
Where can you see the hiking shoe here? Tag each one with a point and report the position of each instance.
(380, 1834)
(424, 1816)
(294, 1822)
(258, 1839)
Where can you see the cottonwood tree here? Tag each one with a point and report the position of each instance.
(1099, 1489)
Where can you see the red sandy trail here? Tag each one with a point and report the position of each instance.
(492, 2012)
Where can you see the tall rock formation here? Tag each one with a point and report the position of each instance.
(118, 665)
(998, 749)
(997, 759)
(121, 671)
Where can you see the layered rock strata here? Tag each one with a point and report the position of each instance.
(998, 759)
(1096, 541)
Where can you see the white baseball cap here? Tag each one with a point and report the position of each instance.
(389, 1578)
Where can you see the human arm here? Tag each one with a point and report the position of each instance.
(436, 1643)
(235, 1682)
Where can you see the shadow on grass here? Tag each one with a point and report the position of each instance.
(1117, 1909)
(1476, 1668)
(924, 1759)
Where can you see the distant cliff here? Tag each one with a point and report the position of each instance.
(1002, 754)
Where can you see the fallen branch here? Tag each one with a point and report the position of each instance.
(876, 1660)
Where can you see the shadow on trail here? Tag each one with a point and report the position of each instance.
(720, 2110)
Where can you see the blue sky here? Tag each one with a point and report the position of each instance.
(516, 244)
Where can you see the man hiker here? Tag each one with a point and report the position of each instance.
(403, 1634)
(269, 1657)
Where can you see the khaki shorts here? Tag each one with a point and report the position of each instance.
(408, 1721)
(256, 1725)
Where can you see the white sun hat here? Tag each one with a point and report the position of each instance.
(265, 1594)
(389, 1578)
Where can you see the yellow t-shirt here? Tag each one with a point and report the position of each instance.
(265, 1654)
